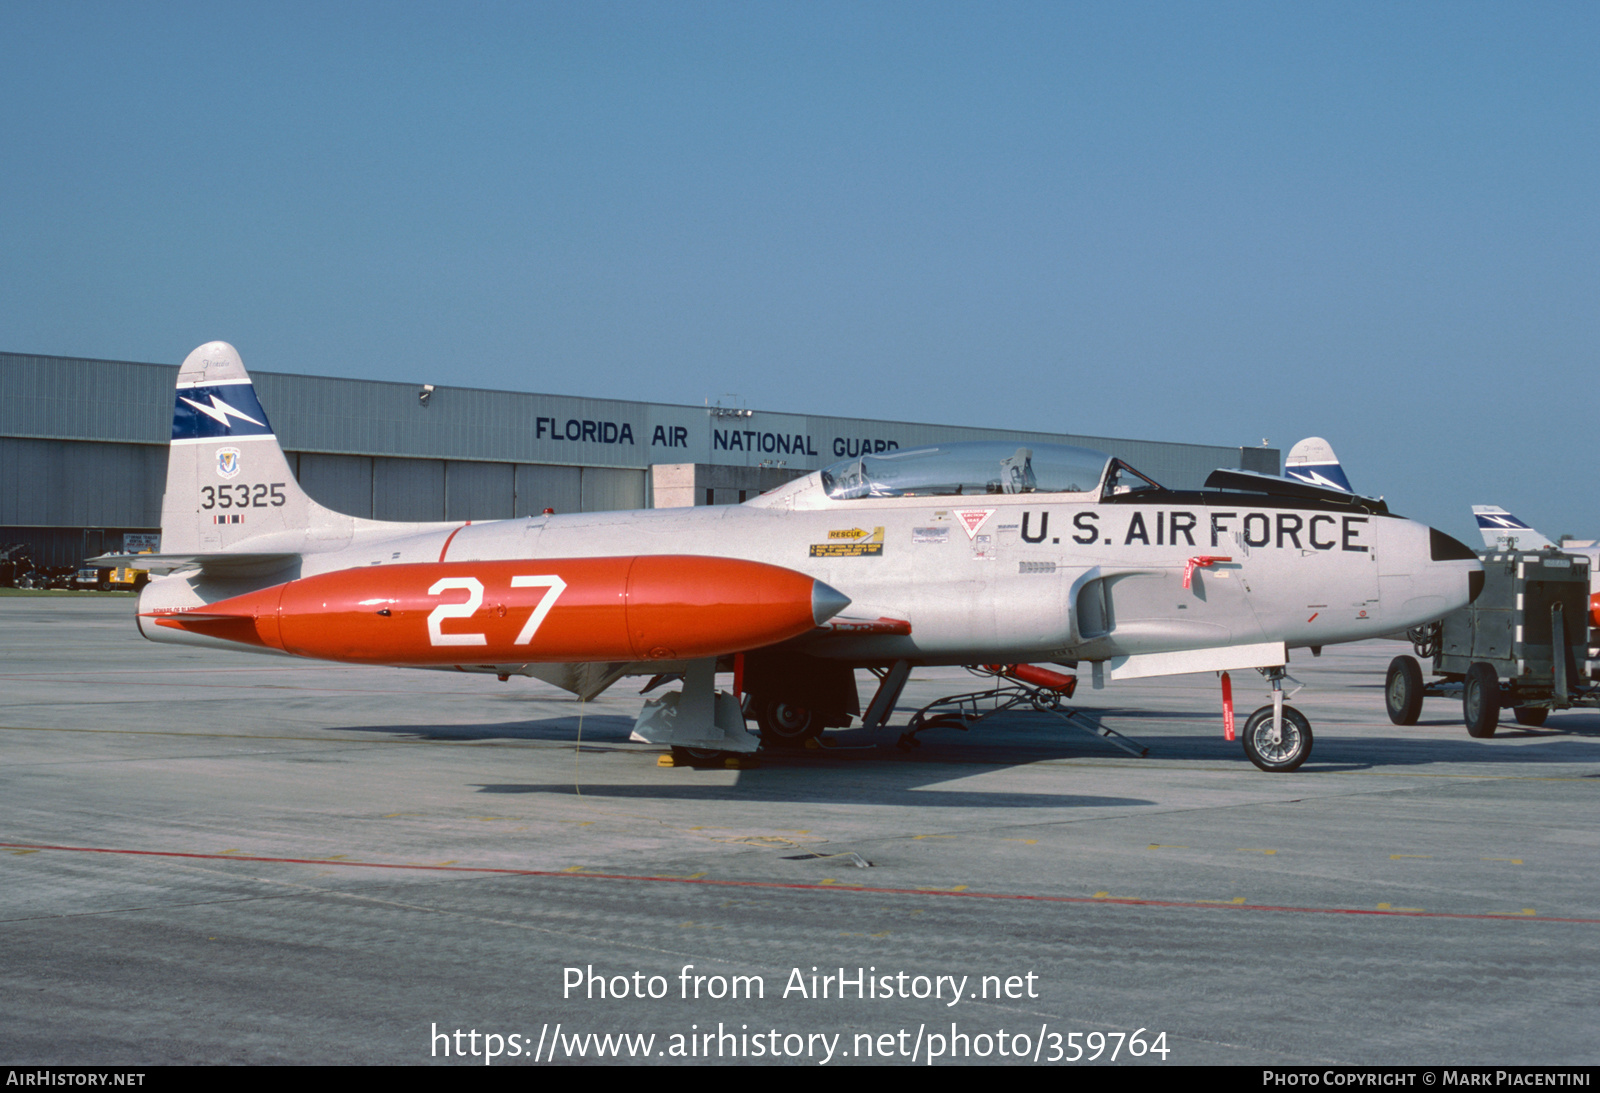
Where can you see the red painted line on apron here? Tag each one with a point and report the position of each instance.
(804, 886)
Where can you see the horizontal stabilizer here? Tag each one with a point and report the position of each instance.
(220, 564)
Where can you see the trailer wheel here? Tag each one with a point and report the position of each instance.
(1402, 691)
(1480, 700)
(1289, 751)
(1531, 716)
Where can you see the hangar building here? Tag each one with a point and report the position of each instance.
(83, 450)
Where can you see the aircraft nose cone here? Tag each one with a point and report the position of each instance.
(826, 602)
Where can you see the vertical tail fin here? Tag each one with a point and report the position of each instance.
(1503, 531)
(1312, 461)
(228, 481)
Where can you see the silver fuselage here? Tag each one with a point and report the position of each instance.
(990, 579)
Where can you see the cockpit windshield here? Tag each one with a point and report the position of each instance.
(966, 470)
(1123, 479)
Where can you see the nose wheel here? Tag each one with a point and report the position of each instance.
(1280, 749)
(1277, 738)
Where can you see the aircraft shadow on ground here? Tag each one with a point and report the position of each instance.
(1331, 752)
(780, 787)
(596, 729)
(1561, 723)
(1014, 739)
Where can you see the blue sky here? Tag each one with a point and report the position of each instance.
(1201, 222)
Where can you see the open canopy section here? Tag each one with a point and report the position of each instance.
(966, 470)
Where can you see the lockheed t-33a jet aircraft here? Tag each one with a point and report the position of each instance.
(964, 554)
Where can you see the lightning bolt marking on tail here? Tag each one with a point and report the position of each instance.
(1313, 478)
(220, 411)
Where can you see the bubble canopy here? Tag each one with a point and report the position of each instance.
(966, 470)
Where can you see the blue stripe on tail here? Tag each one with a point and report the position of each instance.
(218, 412)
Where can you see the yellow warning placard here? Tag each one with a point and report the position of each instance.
(850, 543)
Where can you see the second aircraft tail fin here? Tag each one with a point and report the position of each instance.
(1312, 461)
(1503, 531)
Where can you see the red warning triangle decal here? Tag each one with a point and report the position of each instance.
(973, 519)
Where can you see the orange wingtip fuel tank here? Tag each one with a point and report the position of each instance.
(647, 607)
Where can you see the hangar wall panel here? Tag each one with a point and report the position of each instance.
(541, 486)
(606, 490)
(1260, 460)
(408, 489)
(83, 399)
(64, 482)
(479, 491)
(432, 489)
(340, 482)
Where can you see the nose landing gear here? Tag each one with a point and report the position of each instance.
(1277, 738)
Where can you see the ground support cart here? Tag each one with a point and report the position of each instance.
(1523, 644)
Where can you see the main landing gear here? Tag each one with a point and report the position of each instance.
(699, 723)
(785, 724)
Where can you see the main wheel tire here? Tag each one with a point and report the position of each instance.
(1480, 700)
(698, 757)
(1402, 690)
(786, 724)
(1289, 751)
(1531, 716)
